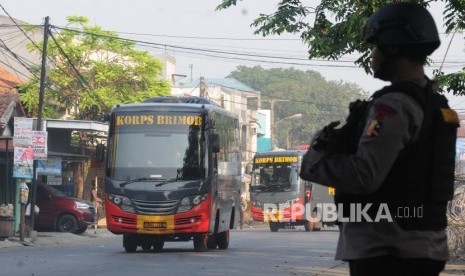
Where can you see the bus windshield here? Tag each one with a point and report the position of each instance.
(275, 177)
(161, 145)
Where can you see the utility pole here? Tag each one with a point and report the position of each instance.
(39, 115)
(272, 102)
(191, 66)
(202, 87)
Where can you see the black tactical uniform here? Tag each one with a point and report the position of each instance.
(396, 151)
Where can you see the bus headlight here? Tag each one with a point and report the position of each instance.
(189, 202)
(123, 202)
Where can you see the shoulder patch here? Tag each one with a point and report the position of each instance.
(373, 128)
(450, 116)
(383, 110)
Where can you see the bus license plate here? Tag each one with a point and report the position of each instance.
(154, 225)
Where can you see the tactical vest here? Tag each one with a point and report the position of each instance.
(421, 180)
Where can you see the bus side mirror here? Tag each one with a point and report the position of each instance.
(106, 117)
(100, 153)
(215, 143)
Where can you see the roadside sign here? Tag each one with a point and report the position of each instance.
(39, 142)
(23, 162)
(22, 132)
(49, 167)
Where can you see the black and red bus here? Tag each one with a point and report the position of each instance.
(172, 173)
(280, 197)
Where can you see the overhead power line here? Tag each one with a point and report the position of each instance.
(21, 29)
(213, 38)
(13, 68)
(81, 79)
(19, 59)
(228, 55)
(214, 53)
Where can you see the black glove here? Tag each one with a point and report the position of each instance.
(324, 137)
(343, 139)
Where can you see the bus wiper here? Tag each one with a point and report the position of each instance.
(167, 182)
(179, 175)
(121, 185)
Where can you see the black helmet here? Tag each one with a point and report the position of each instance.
(401, 25)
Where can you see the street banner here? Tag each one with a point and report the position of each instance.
(22, 132)
(49, 167)
(23, 162)
(39, 143)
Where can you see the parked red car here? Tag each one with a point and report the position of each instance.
(61, 213)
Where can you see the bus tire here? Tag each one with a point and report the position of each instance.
(313, 224)
(129, 243)
(222, 240)
(309, 225)
(158, 246)
(211, 242)
(233, 215)
(200, 243)
(274, 226)
(146, 245)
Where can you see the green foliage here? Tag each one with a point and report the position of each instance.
(452, 82)
(333, 28)
(91, 71)
(304, 92)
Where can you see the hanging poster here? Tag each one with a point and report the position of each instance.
(23, 162)
(39, 143)
(22, 132)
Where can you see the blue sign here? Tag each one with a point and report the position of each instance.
(49, 167)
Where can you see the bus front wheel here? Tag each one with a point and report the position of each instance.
(200, 243)
(309, 226)
(313, 224)
(211, 242)
(130, 243)
(158, 246)
(222, 239)
(274, 226)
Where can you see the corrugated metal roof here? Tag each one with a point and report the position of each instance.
(225, 82)
(76, 125)
(15, 40)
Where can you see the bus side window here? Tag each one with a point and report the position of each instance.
(215, 143)
(215, 162)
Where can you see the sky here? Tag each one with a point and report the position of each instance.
(212, 43)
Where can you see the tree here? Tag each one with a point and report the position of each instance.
(337, 27)
(91, 71)
(304, 92)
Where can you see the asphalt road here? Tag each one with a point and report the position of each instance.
(253, 251)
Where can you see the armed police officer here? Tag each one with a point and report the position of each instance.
(393, 159)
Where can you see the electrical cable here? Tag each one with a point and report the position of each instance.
(162, 46)
(81, 79)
